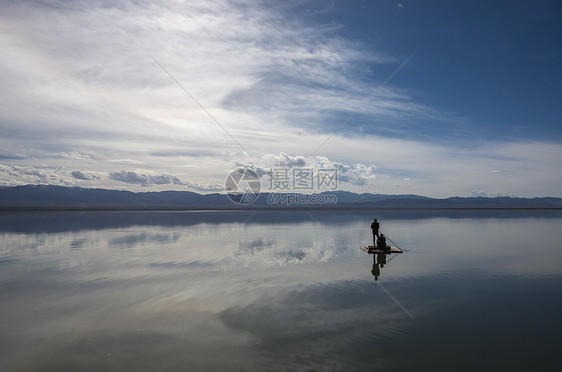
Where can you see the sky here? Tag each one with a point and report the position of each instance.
(435, 98)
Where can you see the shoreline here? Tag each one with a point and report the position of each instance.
(304, 209)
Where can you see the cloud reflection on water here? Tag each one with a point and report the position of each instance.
(274, 288)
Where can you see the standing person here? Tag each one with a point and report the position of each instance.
(375, 228)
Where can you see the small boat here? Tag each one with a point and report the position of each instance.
(375, 249)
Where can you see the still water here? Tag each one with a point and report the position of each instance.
(280, 291)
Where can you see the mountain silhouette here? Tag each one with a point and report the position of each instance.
(60, 197)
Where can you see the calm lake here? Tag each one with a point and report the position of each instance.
(275, 290)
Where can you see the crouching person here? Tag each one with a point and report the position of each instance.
(381, 243)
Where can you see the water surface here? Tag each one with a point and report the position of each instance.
(279, 291)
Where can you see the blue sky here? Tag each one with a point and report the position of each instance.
(438, 98)
(493, 65)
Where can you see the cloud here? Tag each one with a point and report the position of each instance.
(144, 179)
(15, 170)
(206, 187)
(147, 180)
(81, 91)
(285, 160)
(260, 72)
(357, 174)
(79, 175)
(489, 194)
(231, 56)
(10, 157)
(11, 175)
(126, 161)
(74, 155)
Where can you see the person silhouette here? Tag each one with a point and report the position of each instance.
(375, 227)
(381, 242)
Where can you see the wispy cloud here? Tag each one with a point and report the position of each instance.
(230, 55)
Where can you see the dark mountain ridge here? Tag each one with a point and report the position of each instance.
(76, 198)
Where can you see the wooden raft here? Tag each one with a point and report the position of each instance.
(374, 249)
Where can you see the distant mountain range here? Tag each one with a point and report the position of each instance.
(75, 198)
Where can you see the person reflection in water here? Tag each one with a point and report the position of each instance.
(375, 227)
(379, 260)
(376, 268)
